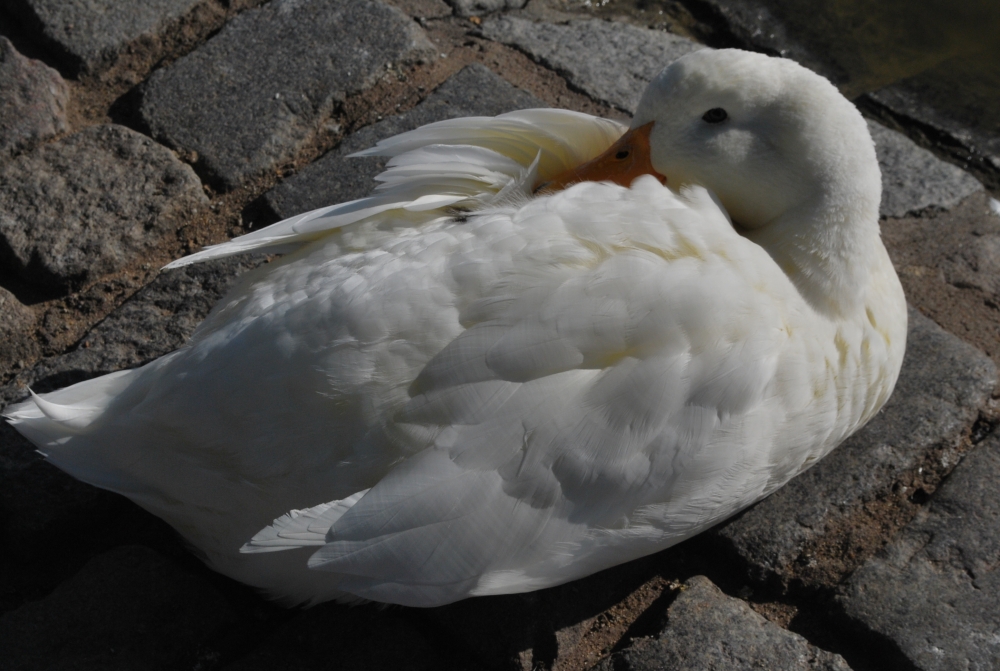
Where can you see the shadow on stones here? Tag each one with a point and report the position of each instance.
(125, 110)
(25, 31)
(258, 214)
(27, 293)
(825, 625)
(818, 618)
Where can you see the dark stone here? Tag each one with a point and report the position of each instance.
(92, 34)
(964, 133)
(349, 639)
(934, 591)
(127, 609)
(32, 101)
(611, 62)
(914, 179)
(255, 94)
(708, 630)
(17, 329)
(90, 204)
(760, 26)
(36, 499)
(942, 386)
(474, 91)
(481, 7)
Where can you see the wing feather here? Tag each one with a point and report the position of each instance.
(467, 163)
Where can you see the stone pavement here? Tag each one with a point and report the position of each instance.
(214, 117)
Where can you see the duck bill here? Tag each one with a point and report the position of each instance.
(625, 160)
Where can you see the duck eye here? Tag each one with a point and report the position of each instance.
(623, 154)
(715, 115)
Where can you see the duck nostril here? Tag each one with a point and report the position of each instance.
(623, 154)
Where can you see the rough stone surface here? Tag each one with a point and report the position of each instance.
(612, 62)
(911, 100)
(708, 630)
(336, 179)
(914, 179)
(17, 324)
(32, 101)
(480, 7)
(423, 9)
(127, 609)
(942, 386)
(934, 591)
(93, 33)
(256, 93)
(753, 25)
(949, 264)
(91, 204)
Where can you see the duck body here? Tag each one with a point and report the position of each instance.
(432, 404)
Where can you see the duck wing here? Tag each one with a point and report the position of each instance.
(456, 164)
(593, 411)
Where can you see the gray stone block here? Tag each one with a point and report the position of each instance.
(611, 62)
(129, 608)
(942, 386)
(252, 96)
(935, 591)
(481, 7)
(708, 630)
(32, 101)
(914, 179)
(474, 91)
(92, 34)
(91, 204)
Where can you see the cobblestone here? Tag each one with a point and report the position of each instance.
(708, 630)
(914, 179)
(613, 62)
(255, 94)
(33, 100)
(90, 204)
(91, 35)
(933, 592)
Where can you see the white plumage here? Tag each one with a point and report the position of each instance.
(459, 388)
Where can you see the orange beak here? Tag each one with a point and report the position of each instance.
(625, 160)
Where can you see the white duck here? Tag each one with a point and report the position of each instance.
(474, 389)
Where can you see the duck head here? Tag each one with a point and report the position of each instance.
(789, 158)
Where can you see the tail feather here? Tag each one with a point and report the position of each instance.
(301, 528)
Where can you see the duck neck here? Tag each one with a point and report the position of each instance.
(828, 249)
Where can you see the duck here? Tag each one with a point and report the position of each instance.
(546, 344)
